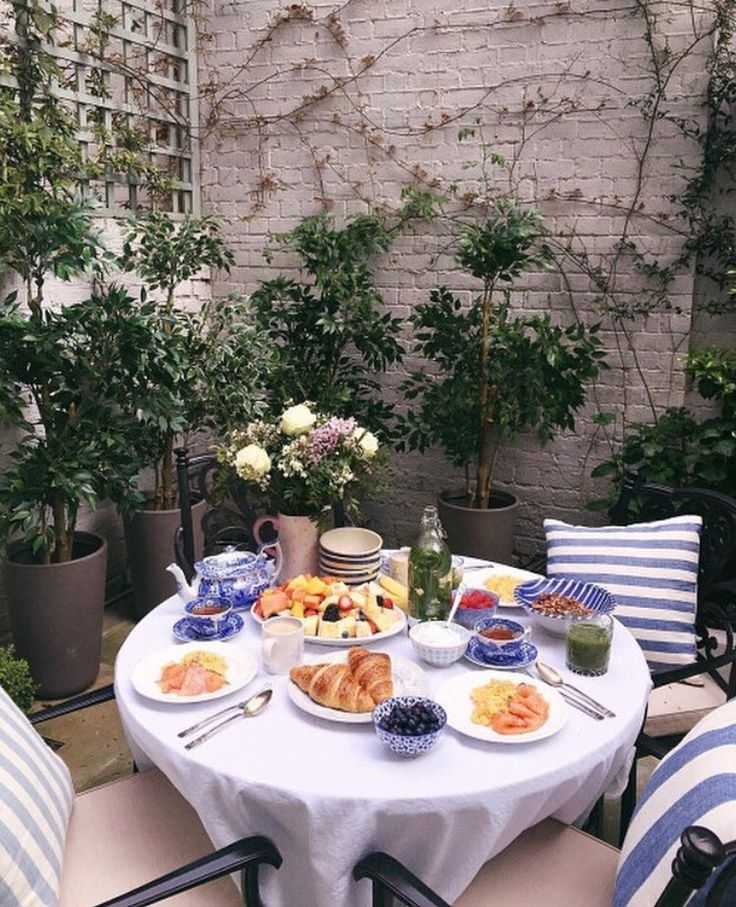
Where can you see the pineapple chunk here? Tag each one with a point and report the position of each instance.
(299, 582)
(346, 625)
(297, 609)
(363, 629)
(330, 600)
(315, 586)
(328, 629)
(385, 618)
(311, 625)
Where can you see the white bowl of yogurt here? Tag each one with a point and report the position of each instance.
(439, 643)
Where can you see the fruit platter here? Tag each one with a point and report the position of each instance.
(333, 613)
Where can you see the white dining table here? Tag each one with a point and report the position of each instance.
(328, 792)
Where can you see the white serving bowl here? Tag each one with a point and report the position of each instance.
(350, 542)
(439, 653)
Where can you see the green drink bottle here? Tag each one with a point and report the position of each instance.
(430, 571)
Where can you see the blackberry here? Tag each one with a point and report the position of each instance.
(331, 614)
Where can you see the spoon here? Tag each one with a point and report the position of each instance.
(248, 709)
(459, 592)
(554, 679)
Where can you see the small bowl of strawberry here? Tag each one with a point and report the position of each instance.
(476, 604)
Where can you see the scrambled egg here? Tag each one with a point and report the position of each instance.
(503, 585)
(208, 660)
(491, 699)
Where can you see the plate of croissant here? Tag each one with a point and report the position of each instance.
(347, 686)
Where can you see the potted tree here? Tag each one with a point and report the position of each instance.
(221, 363)
(492, 375)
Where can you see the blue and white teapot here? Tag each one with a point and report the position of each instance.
(239, 576)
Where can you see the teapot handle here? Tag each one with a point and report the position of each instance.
(277, 556)
(261, 521)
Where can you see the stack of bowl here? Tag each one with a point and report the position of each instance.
(350, 554)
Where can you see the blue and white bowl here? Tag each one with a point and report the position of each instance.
(594, 598)
(184, 631)
(403, 744)
(521, 634)
(515, 659)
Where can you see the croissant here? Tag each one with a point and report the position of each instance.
(332, 685)
(372, 670)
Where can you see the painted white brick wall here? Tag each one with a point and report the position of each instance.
(578, 164)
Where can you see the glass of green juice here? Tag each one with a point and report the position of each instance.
(589, 644)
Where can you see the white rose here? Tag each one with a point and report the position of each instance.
(252, 462)
(368, 442)
(297, 420)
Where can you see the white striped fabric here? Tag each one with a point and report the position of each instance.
(651, 569)
(36, 796)
(695, 784)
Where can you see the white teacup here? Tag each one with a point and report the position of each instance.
(282, 644)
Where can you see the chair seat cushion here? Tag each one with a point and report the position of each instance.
(124, 834)
(677, 707)
(651, 569)
(550, 865)
(695, 784)
(36, 796)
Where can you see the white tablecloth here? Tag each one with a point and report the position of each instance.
(328, 793)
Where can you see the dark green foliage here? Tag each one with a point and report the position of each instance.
(330, 335)
(15, 678)
(677, 449)
(494, 374)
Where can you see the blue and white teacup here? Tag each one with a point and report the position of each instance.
(500, 634)
(207, 614)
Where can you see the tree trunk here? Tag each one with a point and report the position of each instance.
(63, 547)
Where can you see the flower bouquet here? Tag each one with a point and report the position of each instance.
(304, 461)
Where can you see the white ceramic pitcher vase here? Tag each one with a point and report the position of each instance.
(298, 538)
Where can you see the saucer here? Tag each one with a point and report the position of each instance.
(522, 657)
(231, 626)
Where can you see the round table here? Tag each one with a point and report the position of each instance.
(327, 793)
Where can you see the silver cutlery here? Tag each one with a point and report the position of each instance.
(554, 679)
(249, 708)
(205, 721)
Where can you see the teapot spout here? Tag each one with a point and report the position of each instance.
(184, 590)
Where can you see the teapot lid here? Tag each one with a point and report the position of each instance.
(230, 563)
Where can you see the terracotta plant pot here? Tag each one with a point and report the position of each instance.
(488, 534)
(56, 614)
(149, 539)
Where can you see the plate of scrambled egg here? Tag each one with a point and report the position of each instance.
(500, 579)
(502, 707)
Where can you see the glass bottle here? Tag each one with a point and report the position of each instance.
(430, 571)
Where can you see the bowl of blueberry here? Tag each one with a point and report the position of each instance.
(409, 725)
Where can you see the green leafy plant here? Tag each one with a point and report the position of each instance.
(331, 337)
(69, 376)
(677, 449)
(15, 678)
(494, 374)
(165, 254)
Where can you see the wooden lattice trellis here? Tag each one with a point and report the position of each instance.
(130, 65)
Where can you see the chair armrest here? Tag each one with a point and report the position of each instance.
(391, 877)
(83, 701)
(247, 854)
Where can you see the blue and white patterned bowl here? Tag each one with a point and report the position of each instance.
(408, 745)
(594, 598)
(469, 617)
(521, 633)
(507, 659)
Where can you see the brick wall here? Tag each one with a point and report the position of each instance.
(553, 90)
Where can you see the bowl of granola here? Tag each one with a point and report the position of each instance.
(557, 601)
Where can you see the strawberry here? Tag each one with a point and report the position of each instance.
(387, 603)
(345, 603)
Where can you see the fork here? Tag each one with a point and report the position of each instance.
(205, 721)
(575, 703)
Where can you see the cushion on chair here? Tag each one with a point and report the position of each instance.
(36, 797)
(677, 707)
(651, 569)
(695, 784)
(130, 832)
(549, 865)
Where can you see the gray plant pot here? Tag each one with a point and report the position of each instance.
(56, 613)
(488, 534)
(149, 539)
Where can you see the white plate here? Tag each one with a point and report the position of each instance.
(408, 677)
(476, 576)
(397, 627)
(454, 696)
(241, 669)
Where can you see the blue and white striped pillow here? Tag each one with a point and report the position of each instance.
(651, 569)
(36, 796)
(695, 784)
